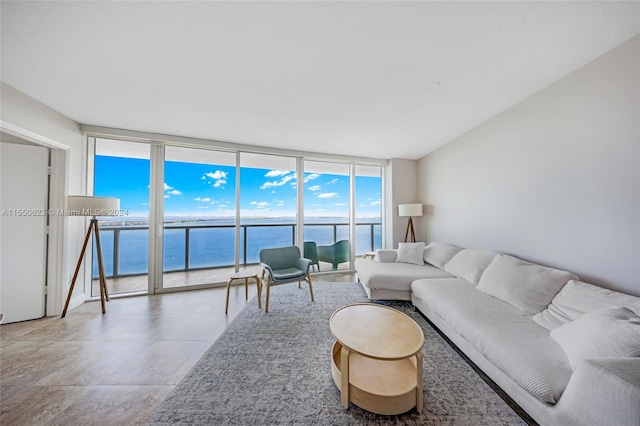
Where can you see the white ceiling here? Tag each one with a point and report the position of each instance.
(346, 78)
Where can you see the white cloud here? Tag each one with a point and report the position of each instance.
(174, 192)
(328, 195)
(167, 196)
(219, 177)
(203, 200)
(167, 187)
(314, 188)
(332, 181)
(276, 173)
(218, 174)
(311, 176)
(376, 203)
(280, 182)
(260, 204)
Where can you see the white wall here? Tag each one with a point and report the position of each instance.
(23, 112)
(554, 180)
(401, 188)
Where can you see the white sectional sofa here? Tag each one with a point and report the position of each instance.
(565, 351)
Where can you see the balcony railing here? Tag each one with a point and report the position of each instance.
(194, 247)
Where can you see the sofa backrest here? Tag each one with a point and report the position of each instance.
(578, 298)
(438, 254)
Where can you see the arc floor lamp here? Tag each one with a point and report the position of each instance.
(410, 210)
(91, 206)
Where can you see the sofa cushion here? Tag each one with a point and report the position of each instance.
(410, 253)
(394, 276)
(438, 254)
(469, 264)
(606, 333)
(386, 255)
(578, 298)
(504, 335)
(527, 286)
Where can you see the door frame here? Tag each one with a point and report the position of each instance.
(58, 187)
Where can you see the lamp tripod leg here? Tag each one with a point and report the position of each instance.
(410, 231)
(75, 274)
(104, 294)
(413, 235)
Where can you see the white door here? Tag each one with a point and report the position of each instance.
(23, 203)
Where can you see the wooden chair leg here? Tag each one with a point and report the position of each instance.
(310, 288)
(266, 304)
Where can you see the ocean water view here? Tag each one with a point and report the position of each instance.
(192, 243)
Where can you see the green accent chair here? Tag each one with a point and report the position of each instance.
(283, 265)
(311, 253)
(335, 253)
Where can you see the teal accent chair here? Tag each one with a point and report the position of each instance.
(335, 253)
(311, 253)
(283, 265)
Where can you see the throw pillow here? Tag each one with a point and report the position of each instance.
(527, 286)
(605, 333)
(438, 254)
(410, 253)
(578, 298)
(469, 264)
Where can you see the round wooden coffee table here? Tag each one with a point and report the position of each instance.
(377, 358)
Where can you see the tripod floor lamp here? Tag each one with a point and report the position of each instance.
(94, 207)
(410, 210)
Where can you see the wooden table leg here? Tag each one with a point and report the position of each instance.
(344, 376)
(419, 396)
(226, 309)
(259, 288)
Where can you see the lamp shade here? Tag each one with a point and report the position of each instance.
(414, 209)
(79, 205)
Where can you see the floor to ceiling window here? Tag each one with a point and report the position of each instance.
(268, 200)
(326, 212)
(199, 216)
(368, 208)
(121, 170)
(217, 209)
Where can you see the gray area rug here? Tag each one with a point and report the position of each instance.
(275, 368)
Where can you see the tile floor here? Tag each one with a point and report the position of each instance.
(111, 369)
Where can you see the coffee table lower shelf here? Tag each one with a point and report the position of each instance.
(379, 386)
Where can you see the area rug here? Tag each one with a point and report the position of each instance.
(275, 369)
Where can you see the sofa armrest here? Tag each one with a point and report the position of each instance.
(386, 256)
(602, 391)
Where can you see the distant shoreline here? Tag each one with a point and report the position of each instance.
(269, 220)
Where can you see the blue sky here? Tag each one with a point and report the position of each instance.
(193, 189)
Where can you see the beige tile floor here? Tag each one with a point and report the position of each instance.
(111, 369)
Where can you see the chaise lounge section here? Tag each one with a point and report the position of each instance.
(565, 351)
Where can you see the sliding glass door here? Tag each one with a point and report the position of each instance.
(121, 170)
(268, 200)
(368, 209)
(327, 212)
(199, 193)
